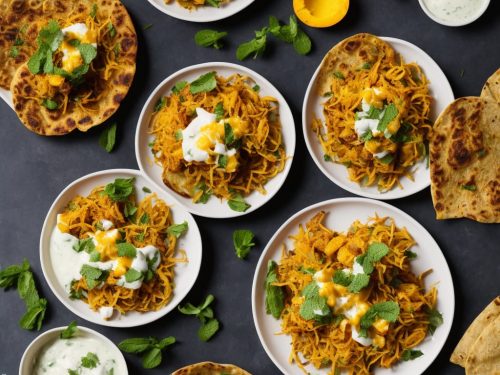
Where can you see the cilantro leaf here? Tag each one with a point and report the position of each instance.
(107, 138)
(228, 134)
(222, 161)
(410, 254)
(87, 245)
(129, 210)
(204, 83)
(160, 104)
(69, 331)
(435, 320)
(133, 275)
(93, 276)
(207, 193)
(213, 3)
(126, 249)
(88, 52)
(178, 230)
(275, 295)
(209, 38)
(243, 242)
(120, 189)
(90, 360)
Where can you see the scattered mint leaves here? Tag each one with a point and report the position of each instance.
(87, 245)
(237, 203)
(219, 111)
(209, 38)
(275, 295)
(150, 349)
(93, 276)
(179, 86)
(435, 320)
(243, 242)
(107, 138)
(126, 249)
(9, 275)
(359, 281)
(207, 192)
(388, 311)
(178, 230)
(390, 113)
(375, 252)
(254, 47)
(411, 354)
(209, 325)
(161, 104)
(91, 360)
(410, 255)
(120, 189)
(222, 161)
(204, 83)
(133, 275)
(343, 278)
(314, 306)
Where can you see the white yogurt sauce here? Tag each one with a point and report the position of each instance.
(60, 355)
(454, 10)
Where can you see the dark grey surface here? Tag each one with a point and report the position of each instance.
(35, 169)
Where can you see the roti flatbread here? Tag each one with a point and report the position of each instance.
(491, 89)
(351, 54)
(484, 356)
(478, 326)
(105, 85)
(210, 368)
(465, 161)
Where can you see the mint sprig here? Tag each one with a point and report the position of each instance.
(150, 349)
(243, 242)
(120, 189)
(388, 311)
(209, 324)
(275, 295)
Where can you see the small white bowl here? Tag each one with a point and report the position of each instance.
(479, 12)
(442, 95)
(185, 273)
(215, 207)
(33, 350)
(202, 14)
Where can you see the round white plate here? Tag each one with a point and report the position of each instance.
(31, 353)
(214, 208)
(442, 94)
(341, 214)
(185, 273)
(202, 14)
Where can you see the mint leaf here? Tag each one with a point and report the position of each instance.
(167, 341)
(90, 360)
(94, 256)
(10, 274)
(410, 255)
(228, 134)
(411, 354)
(213, 3)
(469, 187)
(219, 111)
(86, 245)
(387, 159)
(50, 104)
(126, 249)
(27, 289)
(144, 219)
(209, 38)
(358, 282)
(179, 86)
(204, 83)
(160, 104)
(314, 306)
(133, 275)
(207, 193)
(253, 47)
(137, 345)
(390, 114)
(107, 138)
(120, 189)
(111, 30)
(93, 276)
(342, 278)
(152, 358)
(237, 203)
(222, 161)
(435, 320)
(88, 52)
(302, 43)
(146, 190)
(339, 75)
(129, 210)
(275, 295)
(243, 242)
(34, 316)
(208, 329)
(69, 331)
(388, 311)
(376, 251)
(178, 230)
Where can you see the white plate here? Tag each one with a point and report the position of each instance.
(440, 90)
(202, 14)
(185, 273)
(31, 353)
(214, 208)
(341, 214)
(6, 97)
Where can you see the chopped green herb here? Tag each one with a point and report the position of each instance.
(219, 111)
(160, 104)
(150, 349)
(133, 275)
(410, 254)
(129, 210)
(411, 354)
(93, 12)
(209, 325)
(339, 75)
(327, 157)
(50, 104)
(204, 83)
(366, 66)
(388, 311)
(179, 86)
(111, 30)
(435, 320)
(469, 187)
(126, 249)
(14, 51)
(107, 138)
(256, 88)
(146, 190)
(120, 189)
(237, 203)
(178, 230)
(213, 3)
(243, 242)
(387, 159)
(90, 360)
(178, 135)
(222, 161)
(93, 276)
(209, 38)
(390, 113)
(275, 295)
(86, 245)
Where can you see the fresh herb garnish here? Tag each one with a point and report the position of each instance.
(387, 159)
(243, 242)
(129, 210)
(469, 187)
(388, 311)
(179, 86)
(120, 189)
(222, 161)
(376, 251)
(50, 104)
(237, 203)
(111, 30)
(161, 103)
(411, 354)
(21, 276)
(327, 157)
(87, 245)
(146, 190)
(204, 83)
(69, 331)
(254, 47)
(256, 88)
(133, 275)
(339, 75)
(389, 114)
(209, 38)
(314, 306)
(435, 320)
(90, 360)
(149, 347)
(213, 3)
(275, 295)
(93, 276)
(178, 230)
(219, 112)
(209, 325)
(410, 254)
(107, 138)
(48, 41)
(126, 249)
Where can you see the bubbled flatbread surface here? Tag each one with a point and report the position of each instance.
(484, 356)
(349, 56)
(491, 89)
(40, 120)
(480, 324)
(465, 151)
(210, 368)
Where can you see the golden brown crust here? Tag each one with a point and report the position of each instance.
(491, 89)
(488, 315)
(464, 161)
(42, 121)
(484, 356)
(351, 54)
(210, 368)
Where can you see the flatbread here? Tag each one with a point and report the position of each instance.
(465, 161)
(491, 89)
(488, 315)
(111, 92)
(484, 356)
(349, 56)
(210, 368)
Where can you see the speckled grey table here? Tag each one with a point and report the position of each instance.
(34, 169)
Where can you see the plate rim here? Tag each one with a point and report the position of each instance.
(290, 149)
(356, 189)
(123, 323)
(315, 207)
(199, 19)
